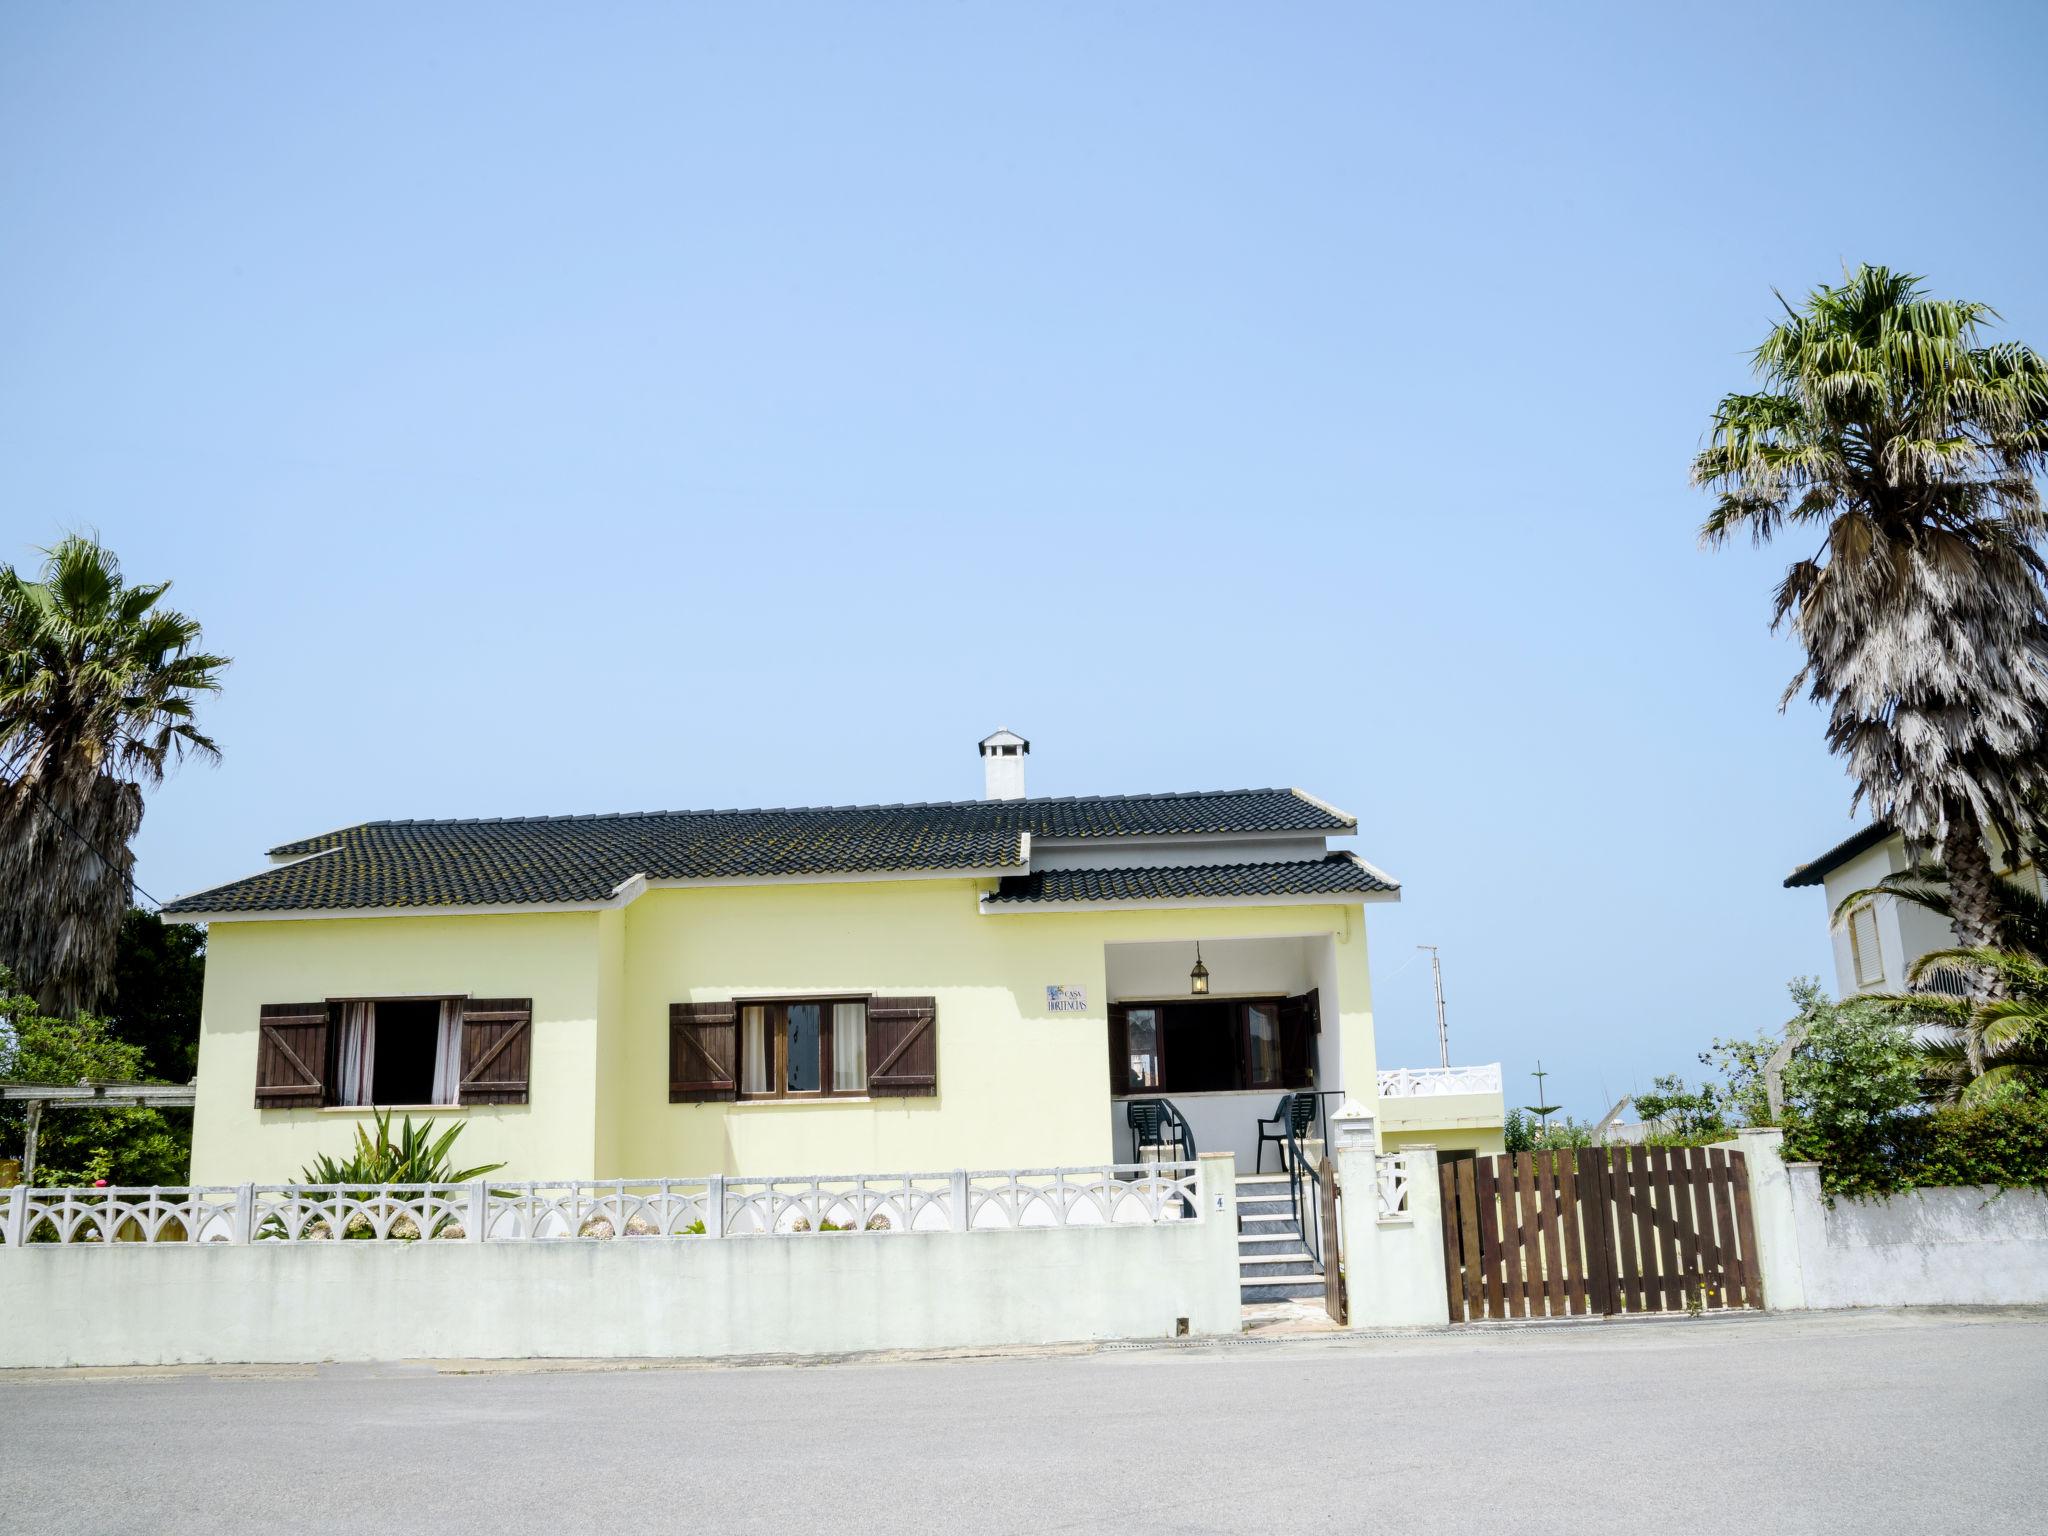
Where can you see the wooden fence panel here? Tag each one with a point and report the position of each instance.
(1597, 1231)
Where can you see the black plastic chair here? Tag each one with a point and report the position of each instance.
(1156, 1123)
(1295, 1112)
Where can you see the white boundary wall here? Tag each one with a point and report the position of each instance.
(1974, 1246)
(815, 1292)
(1392, 1224)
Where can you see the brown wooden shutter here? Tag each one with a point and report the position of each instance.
(497, 1050)
(1119, 1050)
(1301, 1019)
(903, 1047)
(291, 1056)
(703, 1052)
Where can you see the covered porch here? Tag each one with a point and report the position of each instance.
(1227, 1045)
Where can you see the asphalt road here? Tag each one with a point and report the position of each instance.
(1920, 1422)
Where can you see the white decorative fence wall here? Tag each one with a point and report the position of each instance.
(611, 1268)
(599, 1209)
(1438, 1082)
(1396, 1175)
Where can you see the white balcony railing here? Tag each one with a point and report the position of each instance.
(1436, 1082)
(497, 1211)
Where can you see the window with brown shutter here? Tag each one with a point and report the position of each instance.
(1301, 1019)
(291, 1056)
(903, 1047)
(497, 1050)
(702, 1052)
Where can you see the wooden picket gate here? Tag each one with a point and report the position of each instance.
(1598, 1230)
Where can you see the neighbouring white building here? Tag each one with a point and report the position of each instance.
(1879, 941)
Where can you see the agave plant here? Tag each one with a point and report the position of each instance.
(414, 1158)
(417, 1156)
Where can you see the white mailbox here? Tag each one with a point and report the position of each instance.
(1351, 1125)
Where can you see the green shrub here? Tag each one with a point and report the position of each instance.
(416, 1156)
(77, 1145)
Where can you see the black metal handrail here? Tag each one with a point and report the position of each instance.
(1305, 1190)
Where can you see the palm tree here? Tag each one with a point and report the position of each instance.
(1967, 1041)
(97, 684)
(1885, 429)
(2009, 1029)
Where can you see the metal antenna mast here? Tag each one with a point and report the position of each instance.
(1545, 1111)
(1443, 1035)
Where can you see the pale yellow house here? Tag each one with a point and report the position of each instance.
(984, 984)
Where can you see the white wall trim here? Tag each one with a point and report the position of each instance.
(1155, 840)
(623, 894)
(1323, 899)
(846, 877)
(286, 860)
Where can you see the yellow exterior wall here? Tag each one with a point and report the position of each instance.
(1450, 1122)
(1018, 1087)
(550, 957)
(1484, 1140)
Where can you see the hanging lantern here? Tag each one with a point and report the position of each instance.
(1198, 978)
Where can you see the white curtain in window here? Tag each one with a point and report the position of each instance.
(448, 1053)
(849, 1047)
(358, 1053)
(754, 1050)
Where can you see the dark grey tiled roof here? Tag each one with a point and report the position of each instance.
(1817, 870)
(548, 859)
(1337, 874)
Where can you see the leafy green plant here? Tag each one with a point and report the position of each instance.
(1684, 1114)
(77, 1146)
(415, 1156)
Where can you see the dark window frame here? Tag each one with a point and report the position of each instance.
(1241, 1021)
(776, 1024)
(337, 1014)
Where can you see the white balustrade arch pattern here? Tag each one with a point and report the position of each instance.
(1396, 1176)
(1436, 1082)
(597, 1210)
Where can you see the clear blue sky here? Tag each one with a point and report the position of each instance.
(563, 409)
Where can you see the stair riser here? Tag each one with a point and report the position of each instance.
(1286, 1269)
(1280, 1290)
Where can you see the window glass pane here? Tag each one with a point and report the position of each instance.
(849, 1047)
(1262, 1024)
(1142, 1028)
(804, 1019)
(1202, 1047)
(399, 1054)
(754, 1050)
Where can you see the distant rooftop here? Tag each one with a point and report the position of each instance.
(1814, 871)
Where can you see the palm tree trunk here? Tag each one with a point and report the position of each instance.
(1973, 903)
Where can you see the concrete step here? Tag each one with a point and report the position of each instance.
(1259, 1269)
(1272, 1232)
(1265, 1207)
(1266, 1242)
(1251, 1291)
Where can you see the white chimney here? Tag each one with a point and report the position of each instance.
(1002, 765)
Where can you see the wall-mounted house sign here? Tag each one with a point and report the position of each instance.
(1066, 999)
